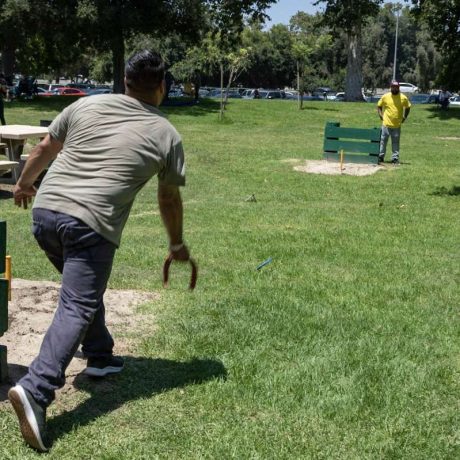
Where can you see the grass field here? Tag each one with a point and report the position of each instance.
(345, 346)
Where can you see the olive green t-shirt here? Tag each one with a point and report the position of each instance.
(113, 144)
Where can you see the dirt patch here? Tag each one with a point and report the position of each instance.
(332, 168)
(449, 138)
(30, 313)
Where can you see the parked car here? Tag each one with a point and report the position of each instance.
(66, 91)
(232, 94)
(43, 92)
(203, 92)
(52, 86)
(85, 87)
(337, 97)
(96, 91)
(408, 88)
(270, 94)
(291, 94)
(176, 92)
(248, 93)
(455, 101)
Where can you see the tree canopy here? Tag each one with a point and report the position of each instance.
(348, 47)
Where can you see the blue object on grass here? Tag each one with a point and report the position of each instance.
(265, 262)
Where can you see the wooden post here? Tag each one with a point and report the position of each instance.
(341, 161)
(3, 328)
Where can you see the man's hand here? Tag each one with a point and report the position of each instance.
(182, 254)
(23, 196)
(39, 158)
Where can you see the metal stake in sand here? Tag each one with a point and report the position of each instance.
(8, 274)
(341, 161)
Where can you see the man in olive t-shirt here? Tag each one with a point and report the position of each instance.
(109, 146)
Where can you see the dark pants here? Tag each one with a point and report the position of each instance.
(85, 260)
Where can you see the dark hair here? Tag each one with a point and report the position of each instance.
(144, 71)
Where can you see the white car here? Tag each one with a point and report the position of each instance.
(408, 88)
(455, 101)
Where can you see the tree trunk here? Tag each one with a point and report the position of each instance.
(229, 84)
(118, 48)
(299, 96)
(221, 113)
(354, 78)
(8, 59)
(118, 62)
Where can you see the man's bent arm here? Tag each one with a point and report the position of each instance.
(380, 112)
(170, 203)
(39, 158)
(406, 113)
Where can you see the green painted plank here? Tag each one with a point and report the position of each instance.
(335, 145)
(3, 364)
(2, 246)
(3, 306)
(372, 134)
(350, 158)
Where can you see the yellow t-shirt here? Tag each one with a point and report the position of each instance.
(393, 109)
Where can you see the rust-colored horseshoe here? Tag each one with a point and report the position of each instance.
(193, 277)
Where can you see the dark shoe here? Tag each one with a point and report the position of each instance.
(100, 367)
(381, 160)
(32, 417)
(395, 162)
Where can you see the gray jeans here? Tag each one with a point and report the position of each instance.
(85, 260)
(395, 134)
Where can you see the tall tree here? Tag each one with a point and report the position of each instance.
(443, 19)
(40, 36)
(349, 15)
(111, 22)
(308, 40)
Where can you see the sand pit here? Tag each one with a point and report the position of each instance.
(31, 310)
(332, 168)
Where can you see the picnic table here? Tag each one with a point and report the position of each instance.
(15, 137)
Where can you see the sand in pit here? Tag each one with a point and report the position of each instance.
(30, 313)
(332, 168)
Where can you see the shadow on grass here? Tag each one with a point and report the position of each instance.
(443, 191)
(6, 194)
(45, 104)
(141, 378)
(451, 113)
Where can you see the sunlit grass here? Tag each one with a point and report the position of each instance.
(345, 346)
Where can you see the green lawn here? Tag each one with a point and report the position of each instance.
(345, 346)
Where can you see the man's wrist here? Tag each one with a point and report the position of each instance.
(176, 247)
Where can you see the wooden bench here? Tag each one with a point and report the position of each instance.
(357, 145)
(7, 166)
(4, 289)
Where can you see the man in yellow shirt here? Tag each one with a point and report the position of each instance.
(393, 109)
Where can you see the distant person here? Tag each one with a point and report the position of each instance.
(110, 146)
(3, 93)
(256, 94)
(443, 99)
(393, 109)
